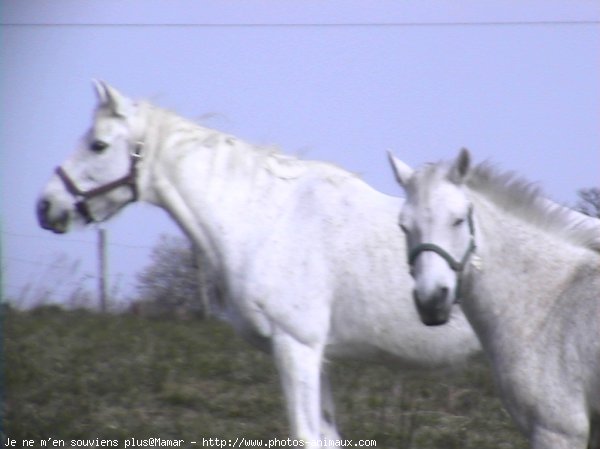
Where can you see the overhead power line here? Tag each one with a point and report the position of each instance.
(71, 240)
(507, 23)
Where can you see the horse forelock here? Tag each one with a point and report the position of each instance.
(422, 182)
(525, 200)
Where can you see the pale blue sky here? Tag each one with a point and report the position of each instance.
(340, 81)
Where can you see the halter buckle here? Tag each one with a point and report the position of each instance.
(136, 153)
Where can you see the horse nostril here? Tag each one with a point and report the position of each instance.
(43, 207)
(43, 212)
(443, 293)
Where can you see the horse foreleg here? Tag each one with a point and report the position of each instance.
(594, 432)
(299, 368)
(328, 424)
(549, 439)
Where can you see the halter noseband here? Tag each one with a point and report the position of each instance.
(457, 266)
(129, 180)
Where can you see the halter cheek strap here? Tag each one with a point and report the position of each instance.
(457, 266)
(82, 196)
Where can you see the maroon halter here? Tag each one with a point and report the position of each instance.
(129, 180)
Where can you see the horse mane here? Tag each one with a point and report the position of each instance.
(525, 200)
(274, 161)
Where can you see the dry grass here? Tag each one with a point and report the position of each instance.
(77, 374)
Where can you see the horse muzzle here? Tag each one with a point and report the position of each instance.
(436, 308)
(50, 218)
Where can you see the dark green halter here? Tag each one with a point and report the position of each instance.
(457, 265)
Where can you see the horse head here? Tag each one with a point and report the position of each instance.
(437, 220)
(100, 177)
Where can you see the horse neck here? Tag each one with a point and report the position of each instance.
(524, 270)
(220, 190)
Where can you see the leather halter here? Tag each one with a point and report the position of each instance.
(82, 196)
(457, 266)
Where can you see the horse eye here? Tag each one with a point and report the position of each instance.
(404, 228)
(97, 146)
(458, 222)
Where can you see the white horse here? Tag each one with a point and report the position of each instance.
(304, 254)
(527, 272)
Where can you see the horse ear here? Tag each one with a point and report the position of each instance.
(401, 170)
(460, 168)
(100, 89)
(111, 98)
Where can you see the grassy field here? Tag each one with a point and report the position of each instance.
(77, 374)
